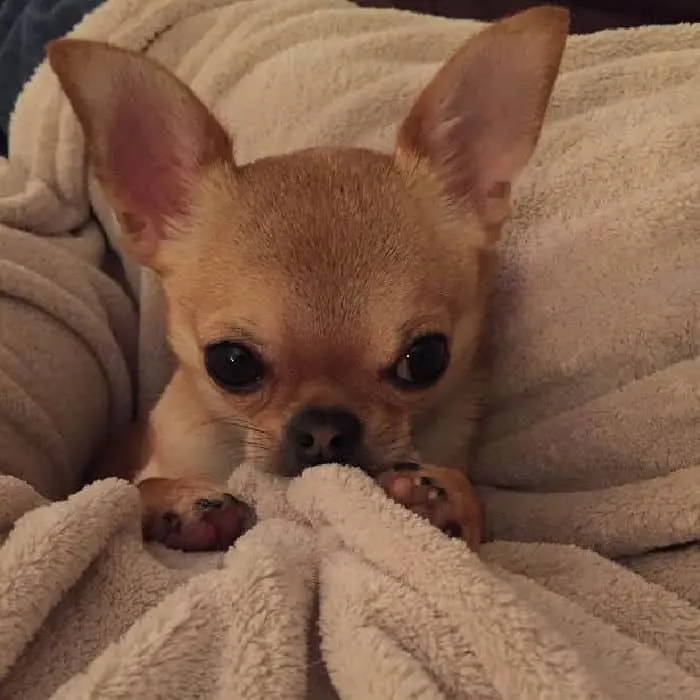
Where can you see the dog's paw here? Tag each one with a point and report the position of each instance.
(442, 495)
(192, 515)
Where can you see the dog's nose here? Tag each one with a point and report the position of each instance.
(318, 434)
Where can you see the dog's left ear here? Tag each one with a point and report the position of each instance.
(476, 124)
(148, 136)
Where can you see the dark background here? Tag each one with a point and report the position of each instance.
(586, 16)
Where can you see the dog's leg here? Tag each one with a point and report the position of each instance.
(442, 495)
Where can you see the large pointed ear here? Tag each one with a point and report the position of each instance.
(148, 136)
(477, 122)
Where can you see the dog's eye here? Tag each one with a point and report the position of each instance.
(422, 363)
(233, 366)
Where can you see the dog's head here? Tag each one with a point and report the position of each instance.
(321, 300)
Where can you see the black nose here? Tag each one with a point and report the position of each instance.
(320, 434)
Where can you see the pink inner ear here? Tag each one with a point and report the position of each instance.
(148, 163)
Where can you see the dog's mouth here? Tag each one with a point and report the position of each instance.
(290, 467)
(374, 469)
(287, 460)
(367, 463)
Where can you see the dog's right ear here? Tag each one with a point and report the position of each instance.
(148, 136)
(476, 124)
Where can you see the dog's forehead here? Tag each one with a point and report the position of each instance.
(320, 240)
(339, 227)
(330, 208)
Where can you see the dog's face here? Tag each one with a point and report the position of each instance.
(323, 300)
(319, 300)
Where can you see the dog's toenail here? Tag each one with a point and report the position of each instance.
(452, 529)
(406, 467)
(208, 504)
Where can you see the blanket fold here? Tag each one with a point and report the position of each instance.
(590, 452)
(428, 619)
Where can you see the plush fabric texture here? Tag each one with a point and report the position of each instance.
(590, 458)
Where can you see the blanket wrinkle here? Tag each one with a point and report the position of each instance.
(379, 599)
(67, 330)
(582, 517)
(656, 616)
(588, 584)
(518, 632)
(31, 580)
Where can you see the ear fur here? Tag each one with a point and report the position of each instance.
(148, 136)
(476, 124)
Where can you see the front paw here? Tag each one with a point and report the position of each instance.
(442, 495)
(192, 515)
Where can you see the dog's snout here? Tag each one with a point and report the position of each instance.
(317, 435)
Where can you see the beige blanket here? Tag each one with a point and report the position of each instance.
(590, 462)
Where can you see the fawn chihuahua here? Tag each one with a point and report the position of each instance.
(323, 306)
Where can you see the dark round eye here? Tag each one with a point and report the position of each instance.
(233, 366)
(422, 364)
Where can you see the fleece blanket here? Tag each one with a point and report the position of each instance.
(589, 462)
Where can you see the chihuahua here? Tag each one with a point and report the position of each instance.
(324, 306)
